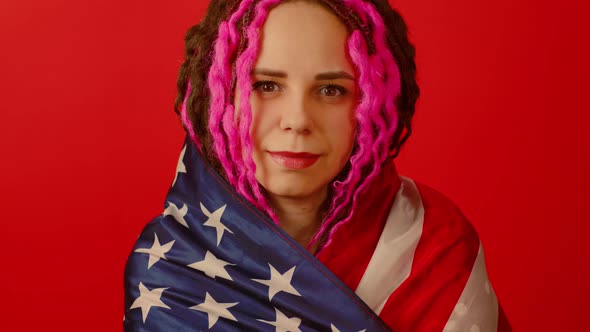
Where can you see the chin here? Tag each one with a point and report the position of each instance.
(290, 190)
(293, 188)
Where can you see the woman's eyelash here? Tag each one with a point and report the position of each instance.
(328, 90)
(260, 84)
(341, 90)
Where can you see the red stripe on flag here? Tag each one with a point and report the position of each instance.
(503, 324)
(442, 264)
(354, 243)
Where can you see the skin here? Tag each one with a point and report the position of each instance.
(305, 94)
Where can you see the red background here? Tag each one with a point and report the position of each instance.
(89, 146)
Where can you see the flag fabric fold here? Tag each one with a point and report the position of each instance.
(212, 261)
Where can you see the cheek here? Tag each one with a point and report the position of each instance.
(348, 140)
(257, 126)
(343, 137)
(349, 124)
(262, 124)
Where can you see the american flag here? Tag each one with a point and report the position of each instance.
(213, 262)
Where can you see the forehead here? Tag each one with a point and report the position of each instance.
(303, 35)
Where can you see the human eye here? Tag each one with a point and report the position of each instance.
(266, 87)
(332, 91)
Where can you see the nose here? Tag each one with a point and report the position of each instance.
(296, 115)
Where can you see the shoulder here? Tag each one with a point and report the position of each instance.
(156, 246)
(448, 244)
(443, 219)
(147, 236)
(447, 269)
(148, 274)
(151, 246)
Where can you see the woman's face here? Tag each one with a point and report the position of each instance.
(303, 102)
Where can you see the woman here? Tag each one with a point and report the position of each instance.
(286, 212)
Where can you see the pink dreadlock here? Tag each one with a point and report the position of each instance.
(372, 112)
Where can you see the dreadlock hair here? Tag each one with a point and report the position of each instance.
(220, 53)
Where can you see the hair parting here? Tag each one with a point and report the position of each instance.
(350, 19)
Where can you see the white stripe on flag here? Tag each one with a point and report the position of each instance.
(391, 262)
(477, 308)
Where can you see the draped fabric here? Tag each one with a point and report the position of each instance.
(213, 262)
(415, 259)
(408, 260)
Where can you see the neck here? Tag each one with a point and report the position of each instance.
(299, 217)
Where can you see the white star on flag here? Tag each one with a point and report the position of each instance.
(157, 251)
(284, 323)
(215, 309)
(279, 282)
(180, 168)
(215, 221)
(148, 299)
(335, 329)
(178, 214)
(212, 266)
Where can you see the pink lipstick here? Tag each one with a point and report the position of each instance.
(294, 160)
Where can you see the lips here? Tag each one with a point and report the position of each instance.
(294, 160)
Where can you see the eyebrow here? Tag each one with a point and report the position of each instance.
(268, 72)
(332, 75)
